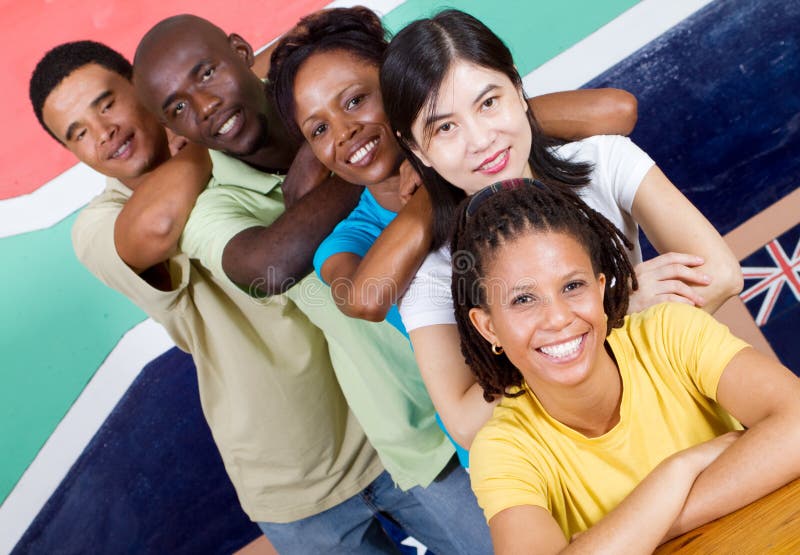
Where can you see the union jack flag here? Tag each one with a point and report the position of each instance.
(772, 279)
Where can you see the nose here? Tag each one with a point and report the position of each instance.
(344, 131)
(557, 313)
(107, 131)
(479, 136)
(206, 103)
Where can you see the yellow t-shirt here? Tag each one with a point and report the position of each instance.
(670, 359)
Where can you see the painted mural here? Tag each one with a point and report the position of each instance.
(105, 448)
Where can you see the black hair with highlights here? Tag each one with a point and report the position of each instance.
(58, 63)
(494, 218)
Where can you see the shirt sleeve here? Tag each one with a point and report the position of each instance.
(700, 345)
(623, 165)
(428, 301)
(93, 242)
(355, 234)
(221, 213)
(502, 473)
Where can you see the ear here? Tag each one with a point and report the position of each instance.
(242, 48)
(482, 321)
(601, 281)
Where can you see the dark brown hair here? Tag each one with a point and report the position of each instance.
(356, 31)
(516, 207)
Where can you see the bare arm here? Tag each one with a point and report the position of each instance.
(367, 288)
(149, 226)
(635, 526)
(574, 115)
(273, 258)
(764, 396)
(674, 225)
(458, 398)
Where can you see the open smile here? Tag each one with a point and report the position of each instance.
(565, 351)
(495, 163)
(123, 150)
(364, 153)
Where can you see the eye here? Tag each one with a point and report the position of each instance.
(489, 102)
(206, 75)
(319, 130)
(523, 298)
(574, 286)
(353, 102)
(179, 107)
(80, 135)
(107, 107)
(445, 127)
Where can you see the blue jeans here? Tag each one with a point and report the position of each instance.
(444, 516)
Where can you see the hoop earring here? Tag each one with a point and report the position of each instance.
(497, 349)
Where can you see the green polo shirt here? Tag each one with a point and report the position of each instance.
(373, 362)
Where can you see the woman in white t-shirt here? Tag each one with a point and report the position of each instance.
(455, 100)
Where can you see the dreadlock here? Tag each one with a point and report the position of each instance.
(497, 214)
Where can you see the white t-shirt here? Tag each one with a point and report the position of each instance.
(619, 167)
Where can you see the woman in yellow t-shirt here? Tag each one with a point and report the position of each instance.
(623, 429)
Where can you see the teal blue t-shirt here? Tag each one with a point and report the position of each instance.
(356, 234)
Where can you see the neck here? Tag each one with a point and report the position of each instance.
(592, 407)
(387, 193)
(277, 157)
(133, 182)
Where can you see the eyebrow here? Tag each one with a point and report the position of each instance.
(192, 72)
(433, 118)
(93, 104)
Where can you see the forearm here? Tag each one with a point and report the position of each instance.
(269, 260)
(639, 522)
(743, 473)
(573, 115)
(150, 224)
(383, 275)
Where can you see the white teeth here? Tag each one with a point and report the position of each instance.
(363, 151)
(122, 148)
(563, 349)
(228, 125)
(496, 162)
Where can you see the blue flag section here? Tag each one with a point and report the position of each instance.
(772, 294)
(719, 109)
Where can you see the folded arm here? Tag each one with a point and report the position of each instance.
(696, 266)
(367, 287)
(276, 256)
(150, 224)
(636, 525)
(574, 115)
(764, 396)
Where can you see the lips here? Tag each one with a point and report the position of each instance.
(495, 163)
(363, 153)
(123, 149)
(227, 124)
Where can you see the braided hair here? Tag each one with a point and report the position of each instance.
(496, 215)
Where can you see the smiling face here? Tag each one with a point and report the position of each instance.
(545, 309)
(96, 114)
(339, 110)
(477, 133)
(198, 81)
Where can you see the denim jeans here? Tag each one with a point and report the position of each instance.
(444, 516)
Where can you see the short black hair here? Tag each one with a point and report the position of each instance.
(357, 31)
(62, 60)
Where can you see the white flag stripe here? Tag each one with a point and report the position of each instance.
(137, 347)
(609, 45)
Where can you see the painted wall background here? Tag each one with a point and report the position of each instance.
(66, 361)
